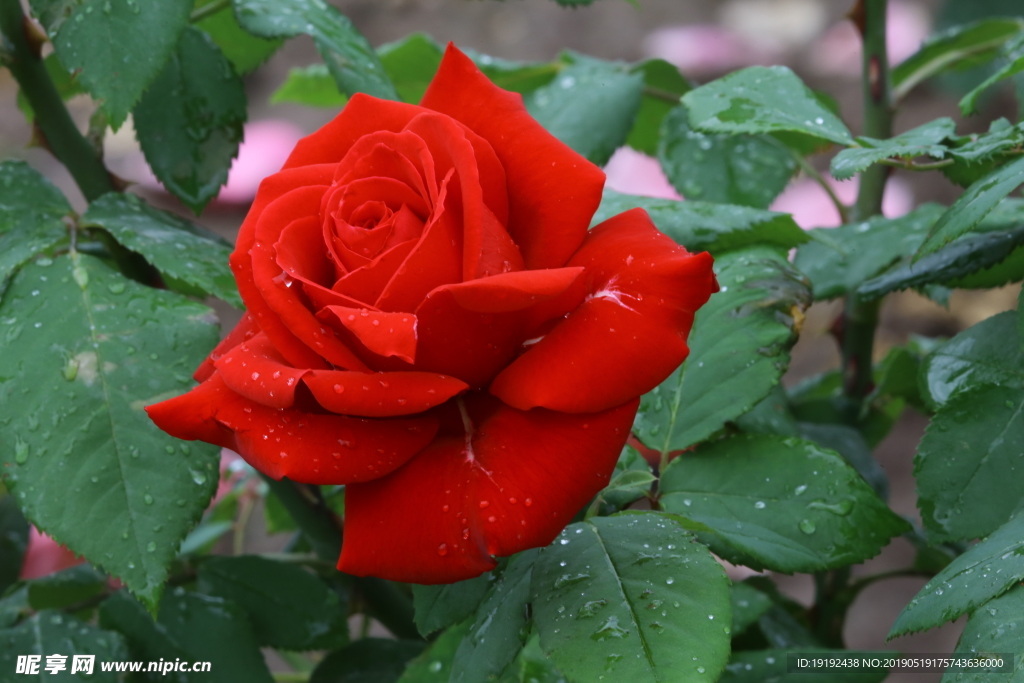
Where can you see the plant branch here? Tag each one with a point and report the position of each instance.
(52, 120)
(815, 175)
(911, 166)
(207, 10)
(323, 529)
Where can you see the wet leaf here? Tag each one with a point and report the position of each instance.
(662, 83)
(922, 141)
(47, 632)
(632, 598)
(748, 605)
(445, 605)
(984, 572)
(434, 665)
(789, 505)
(368, 660)
(739, 348)
(244, 50)
(703, 226)
(87, 349)
(748, 170)
(762, 99)
(66, 587)
(997, 627)
(770, 666)
(189, 122)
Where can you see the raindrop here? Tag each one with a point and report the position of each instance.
(807, 526)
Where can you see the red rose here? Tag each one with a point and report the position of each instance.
(431, 323)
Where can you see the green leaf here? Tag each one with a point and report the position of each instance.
(984, 572)
(739, 348)
(749, 170)
(762, 99)
(969, 102)
(976, 155)
(198, 258)
(783, 630)
(192, 627)
(369, 660)
(999, 627)
(849, 443)
(87, 349)
(535, 666)
(189, 122)
(47, 633)
(748, 605)
(434, 665)
(66, 587)
(632, 598)
(951, 47)
(287, 606)
(347, 54)
(244, 50)
(28, 198)
(965, 256)
(444, 605)
(965, 462)
(703, 226)
(924, 140)
(67, 85)
(13, 542)
(520, 77)
(499, 630)
(631, 480)
(860, 251)
(790, 505)
(590, 106)
(411, 63)
(770, 666)
(14, 606)
(23, 242)
(663, 86)
(986, 353)
(973, 205)
(310, 86)
(117, 47)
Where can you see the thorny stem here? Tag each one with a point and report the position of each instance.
(53, 123)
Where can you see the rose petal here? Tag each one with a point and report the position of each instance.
(471, 330)
(257, 371)
(361, 116)
(307, 448)
(277, 287)
(245, 329)
(513, 485)
(628, 335)
(553, 191)
(435, 260)
(381, 394)
(270, 190)
(385, 334)
(367, 282)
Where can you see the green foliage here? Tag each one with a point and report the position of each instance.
(244, 50)
(762, 99)
(739, 348)
(749, 170)
(411, 64)
(380, 660)
(190, 258)
(785, 504)
(996, 628)
(971, 44)
(46, 633)
(117, 47)
(663, 86)
(770, 666)
(632, 597)
(74, 414)
(434, 665)
(347, 54)
(312, 86)
(984, 572)
(590, 105)
(500, 626)
(66, 588)
(703, 226)
(922, 141)
(287, 606)
(192, 627)
(13, 542)
(445, 605)
(189, 122)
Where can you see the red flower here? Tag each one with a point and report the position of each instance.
(431, 323)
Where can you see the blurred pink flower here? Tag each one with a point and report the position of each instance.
(263, 152)
(633, 172)
(705, 49)
(45, 556)
(812, 208)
